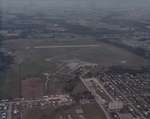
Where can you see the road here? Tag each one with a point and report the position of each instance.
(59, 68)
(9, 111)
(66, 46)
(97, 97)
(100, 85)
(48, 76)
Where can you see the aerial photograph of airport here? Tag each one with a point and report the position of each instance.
(74, 59)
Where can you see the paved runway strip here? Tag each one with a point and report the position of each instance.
(66, 46)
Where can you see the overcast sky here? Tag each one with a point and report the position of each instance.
(73, 3)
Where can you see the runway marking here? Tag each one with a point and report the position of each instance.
(66, 46)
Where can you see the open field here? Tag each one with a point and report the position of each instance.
(93, 111)
(38, 56)
(91, 51)
(35, 57)
(32, 88)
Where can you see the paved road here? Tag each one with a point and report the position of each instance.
(9, 111)
(66, 46)
(100, 85)
(97, 97)
(49, 76)
(60, 68)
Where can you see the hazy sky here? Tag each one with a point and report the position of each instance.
(74, 3)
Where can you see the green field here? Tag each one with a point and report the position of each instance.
(33, 62)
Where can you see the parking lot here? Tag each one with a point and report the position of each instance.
(4, 111)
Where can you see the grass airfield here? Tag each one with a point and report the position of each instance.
(40, 55)
(35, 57)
